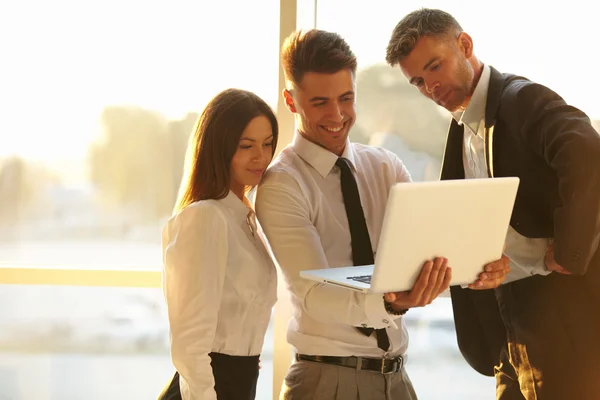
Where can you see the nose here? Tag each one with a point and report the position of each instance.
(335, 112)
(261, 154)
(431, 86)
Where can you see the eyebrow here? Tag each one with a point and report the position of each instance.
(252, 140)
(414, 79)
(434, 59)
(318, 98)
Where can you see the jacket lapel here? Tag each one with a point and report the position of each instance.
(494, 95)
(488, 153)
(452, 165)
(491, 110)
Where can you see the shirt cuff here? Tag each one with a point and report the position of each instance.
(377, 316)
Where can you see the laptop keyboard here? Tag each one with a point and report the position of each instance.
(362, 278)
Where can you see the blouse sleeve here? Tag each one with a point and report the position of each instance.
(195, 258)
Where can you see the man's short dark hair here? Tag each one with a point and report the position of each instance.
(315, 51)
(419, 23)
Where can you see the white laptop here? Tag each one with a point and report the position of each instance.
(464, 220)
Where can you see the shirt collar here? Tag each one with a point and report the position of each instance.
(237, 206)
(474, 114)
(318, 157)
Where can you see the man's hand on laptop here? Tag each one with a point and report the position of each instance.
(493, 275)
(434, 279)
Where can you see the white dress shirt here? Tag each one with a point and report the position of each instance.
(526, 255)
(301, 209)
(220, 285)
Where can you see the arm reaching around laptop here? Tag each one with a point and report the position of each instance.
(493, 275)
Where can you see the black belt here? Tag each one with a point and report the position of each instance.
(381, 365)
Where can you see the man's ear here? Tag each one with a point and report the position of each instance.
(465, 43)
(289, 100)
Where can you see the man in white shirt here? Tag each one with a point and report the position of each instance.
(349, 345)
(538, 332)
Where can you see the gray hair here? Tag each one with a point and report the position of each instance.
(419, 23)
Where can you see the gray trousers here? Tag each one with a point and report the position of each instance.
(307, 380)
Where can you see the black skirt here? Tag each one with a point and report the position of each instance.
(235, 378)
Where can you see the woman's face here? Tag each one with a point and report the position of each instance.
(253, 155)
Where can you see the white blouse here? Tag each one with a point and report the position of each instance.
(220, 285)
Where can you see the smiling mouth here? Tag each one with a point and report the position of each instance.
(257, 171)
(334, 129)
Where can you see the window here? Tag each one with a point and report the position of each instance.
(98, 99)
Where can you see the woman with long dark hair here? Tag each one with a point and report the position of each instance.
(219, 280)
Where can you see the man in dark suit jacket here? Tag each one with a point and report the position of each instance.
(539, 333)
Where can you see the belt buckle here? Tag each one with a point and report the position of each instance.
(396, 366)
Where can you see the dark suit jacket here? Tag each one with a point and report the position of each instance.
(533, 134)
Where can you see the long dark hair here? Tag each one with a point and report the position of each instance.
(214, 142)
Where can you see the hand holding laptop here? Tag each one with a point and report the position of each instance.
(434, 279)
(493, 275)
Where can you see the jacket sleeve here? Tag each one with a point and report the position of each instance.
(563, 136)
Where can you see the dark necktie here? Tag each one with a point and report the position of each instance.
(362, 252)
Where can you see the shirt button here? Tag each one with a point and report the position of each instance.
(385, 321)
